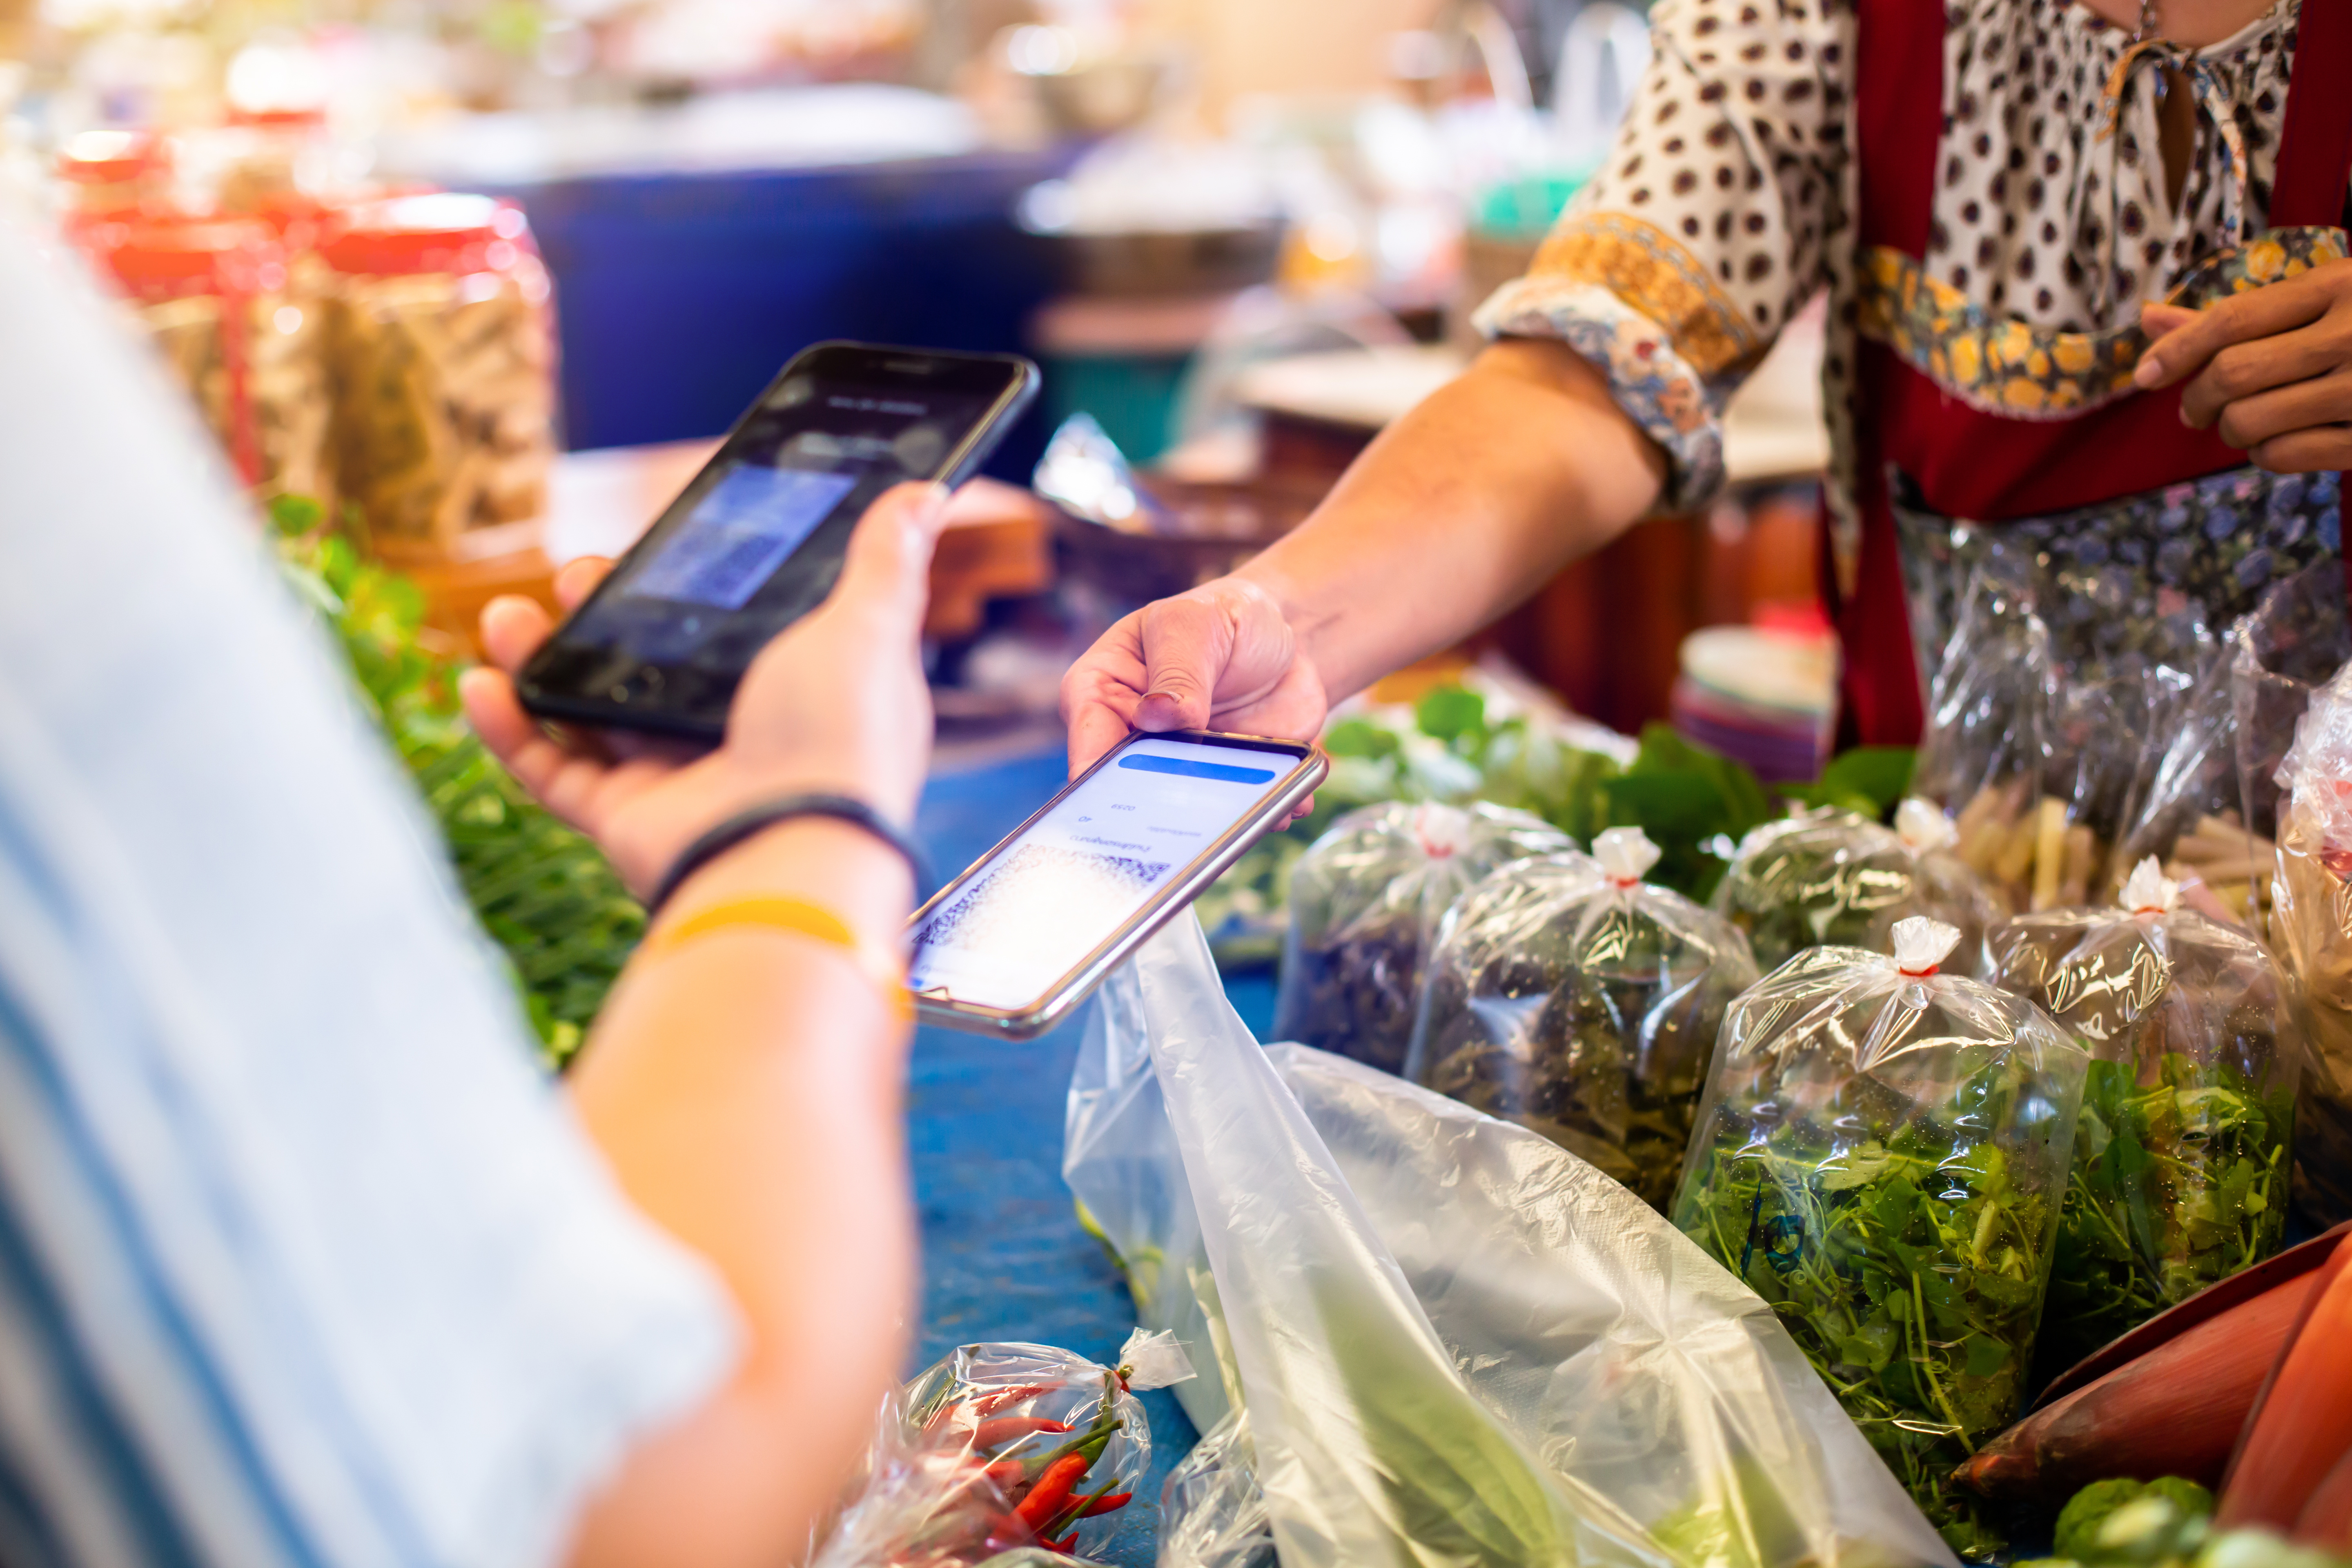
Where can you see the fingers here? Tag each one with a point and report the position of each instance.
(1187, 641)
(2156, 319)
(2309, 451)
(1100, 693)
(887, 569)
(2257, 313)
(512, 628)
(560, 780)
(2239, 373)
(577, 578)
(2247, 422)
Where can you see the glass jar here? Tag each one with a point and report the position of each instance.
(442, 353)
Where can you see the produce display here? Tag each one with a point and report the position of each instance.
(543, 893)
(998, 1449)
(1365, 901)
(1881, 1155)
(2311, 929)
(1567, 996)
(2181, 1165)
(1834, 878)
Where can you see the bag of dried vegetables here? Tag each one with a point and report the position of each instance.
(1827, 877)
(2311, 926)
(1365, 900)
(1002, 1448)
(1565, 996)
(1881, 1155)
(2181, 1165)
(1458, 1343)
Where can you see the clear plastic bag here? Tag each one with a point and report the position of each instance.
(1458, 1343)
(2181, 1164)
(2311, 927)
(1882, 1156)
(1827, 877)
(1567, 996)
(1000, 1448)
(1213, 1513)
(1365, 901)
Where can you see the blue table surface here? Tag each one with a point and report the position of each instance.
(1003, 1258)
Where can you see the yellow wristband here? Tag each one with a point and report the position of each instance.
(799, 917)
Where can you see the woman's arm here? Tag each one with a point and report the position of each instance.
(744, 1085)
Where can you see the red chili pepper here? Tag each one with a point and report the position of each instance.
(990, 1403)
(1110, 1504)
(998, 1430)
(1067, 1548)
(1053, 1490)
(1010, 1475)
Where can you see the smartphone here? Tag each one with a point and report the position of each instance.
(1012, 945)
(756, 539)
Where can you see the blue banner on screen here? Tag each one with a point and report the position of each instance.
(1193, 768)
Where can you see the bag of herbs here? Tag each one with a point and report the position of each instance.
(1829, 877)
(2181, 1159)
(1365, 900)
(2311, 925)
(1881, 1155)
(1570, 997)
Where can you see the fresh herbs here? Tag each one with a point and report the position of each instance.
(1829, 877)
(545, 893)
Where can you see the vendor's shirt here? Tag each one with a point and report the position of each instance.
(302, 1261)
(1729, 200)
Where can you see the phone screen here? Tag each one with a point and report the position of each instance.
(756, 540)
(1028, 915)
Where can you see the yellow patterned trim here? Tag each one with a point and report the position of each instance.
(2035, 373)
(1649, 271)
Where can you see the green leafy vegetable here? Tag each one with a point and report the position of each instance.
(1687, 798)
(1869, 780)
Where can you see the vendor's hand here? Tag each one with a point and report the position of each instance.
(1219, 657)
(837, 703)
(2270, 369)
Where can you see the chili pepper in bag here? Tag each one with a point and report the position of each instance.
(1110, 1504)
(1080, 1507)
(998, 1430)
(991, 1404)
(1052, 1491)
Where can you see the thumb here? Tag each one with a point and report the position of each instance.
(887, 569)
(1186, 643)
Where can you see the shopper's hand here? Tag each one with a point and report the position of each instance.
(1218, 657)
(837, 703)
(2270, 369)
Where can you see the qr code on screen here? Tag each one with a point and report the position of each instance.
(1039, 881)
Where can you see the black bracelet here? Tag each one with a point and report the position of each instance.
(743, 824)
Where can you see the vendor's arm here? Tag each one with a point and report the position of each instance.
(1603, 401)
(744, 1085)
(2270, 369)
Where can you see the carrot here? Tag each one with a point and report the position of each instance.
(2327, 1522)
(2175, 1411)
(2302, 1422)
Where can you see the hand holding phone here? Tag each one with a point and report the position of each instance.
(1020, 938)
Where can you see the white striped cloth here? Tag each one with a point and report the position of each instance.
(302, 1262)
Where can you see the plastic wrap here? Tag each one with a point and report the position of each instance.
(1882, 1156)
(1827, 877)
(1213, 1513)
(2311, 929)
(1458, 1342)
(1567, 996)
(1365, 901)
(2181, 1165)
(975, 1457)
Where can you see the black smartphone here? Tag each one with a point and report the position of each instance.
(1020, 938)
(756, 539)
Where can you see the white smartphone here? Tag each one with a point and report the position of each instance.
(1012, 945)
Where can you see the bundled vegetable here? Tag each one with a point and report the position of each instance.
(1567, 996)
(1828, 877)
(1881, 1155)
(2167, 1522)
(1000, 1448)
(2180, 1161)
(1364, 907)
(2311, 929)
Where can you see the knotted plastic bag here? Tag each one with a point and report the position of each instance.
(2311, 927)
(1457, 1342)
(1365, 901)
(2181, 1165)
(1881, 1155)
(1568, 996)
(1827, 877)
(1002, 1448)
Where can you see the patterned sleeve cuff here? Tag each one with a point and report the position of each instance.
(1657, 386)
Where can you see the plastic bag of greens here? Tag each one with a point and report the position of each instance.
(1567, 996)
(1457, 1342)
(1365, 901)
(1001, 1449)
(2311, 927)
(2180, 1161)
(1827, 877)
(1882, 1156)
